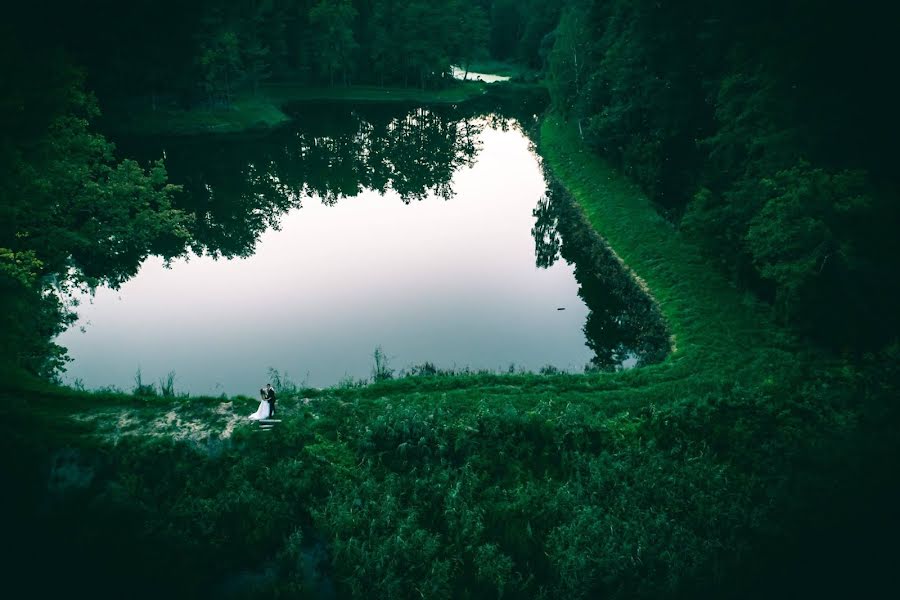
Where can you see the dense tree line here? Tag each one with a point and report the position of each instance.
(205, 50)
(765, 130)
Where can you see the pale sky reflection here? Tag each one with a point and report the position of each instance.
(451, 282)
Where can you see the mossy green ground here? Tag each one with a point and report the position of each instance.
(683, 478)
(263, 110)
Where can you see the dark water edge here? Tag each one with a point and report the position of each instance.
(619, 309)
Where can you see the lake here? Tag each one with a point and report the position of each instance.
(428, 232)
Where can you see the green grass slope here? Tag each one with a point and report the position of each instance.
(711, 321)
(705, 475)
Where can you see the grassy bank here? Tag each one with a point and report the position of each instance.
(264, 109)
(711, 321)
(699, 476)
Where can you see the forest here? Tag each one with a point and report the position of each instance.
(762, 136)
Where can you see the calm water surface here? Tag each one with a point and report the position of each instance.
(412, 229)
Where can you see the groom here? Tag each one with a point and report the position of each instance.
(270, 398)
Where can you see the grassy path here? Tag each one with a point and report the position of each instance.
(713, 325)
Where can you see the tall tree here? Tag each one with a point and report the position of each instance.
(569, 61)
(332, 21)
(469, 34)
(220, 61)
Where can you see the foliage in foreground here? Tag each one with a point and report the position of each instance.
(409, 488)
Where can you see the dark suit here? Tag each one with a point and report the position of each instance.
(270, 398)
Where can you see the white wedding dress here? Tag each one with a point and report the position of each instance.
(262, 412)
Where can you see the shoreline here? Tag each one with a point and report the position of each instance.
(258, 112)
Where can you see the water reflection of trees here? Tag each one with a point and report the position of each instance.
(239, 186)
(623, 325)
(233, 201)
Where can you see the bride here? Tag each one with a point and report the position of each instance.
(262, 412)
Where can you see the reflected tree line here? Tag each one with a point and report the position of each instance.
(236, 187)
(624, 327)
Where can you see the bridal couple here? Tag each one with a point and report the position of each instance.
(266, 408)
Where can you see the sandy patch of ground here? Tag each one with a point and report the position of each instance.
(171, 424)
(126, 420)
(231, 419)
(85, 417)
(179, 421)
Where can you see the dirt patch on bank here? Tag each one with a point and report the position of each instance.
(180, 421)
